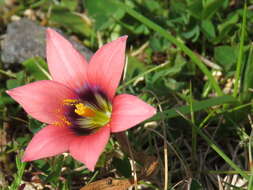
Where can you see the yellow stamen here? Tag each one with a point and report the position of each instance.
(70, 102)
(65, 121)
(84, 111)
(62, 121)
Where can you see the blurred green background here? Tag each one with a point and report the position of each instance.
(191, 59)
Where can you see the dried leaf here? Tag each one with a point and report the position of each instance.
(150, 163)
(108, 184)
(150, 168)
(3, 139)
(3, 135)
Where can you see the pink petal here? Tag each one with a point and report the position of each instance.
(49, 141)
(43, 100)
(128, 111)
(87, 149)
(66, 64)
(106, 66)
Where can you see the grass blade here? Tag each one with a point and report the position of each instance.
(221, 153)
(172, 39)
(240, 56)
(196, 106)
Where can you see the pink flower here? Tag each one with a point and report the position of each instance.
(79, 104)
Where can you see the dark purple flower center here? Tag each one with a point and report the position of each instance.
(89, 112)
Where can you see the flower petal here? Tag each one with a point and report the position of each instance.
(66, 64)
(106, 66)
(43, 100)
(87, 149)
(49, 141)
(128, 111)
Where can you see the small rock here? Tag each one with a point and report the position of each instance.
(25, 39)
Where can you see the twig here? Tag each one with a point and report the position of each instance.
(133, 162)
(138, 51)
(141, 75)
(165, 149)
(209, 63)
(9, 74)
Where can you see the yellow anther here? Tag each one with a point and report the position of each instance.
(80, 108)
(70, 102)
(62, 122)
(84, 111)
(66, 121)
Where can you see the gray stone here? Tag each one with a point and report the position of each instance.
(25, 39)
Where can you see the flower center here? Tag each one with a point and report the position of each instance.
(90, 112)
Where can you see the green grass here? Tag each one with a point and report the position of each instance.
(190, 59)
